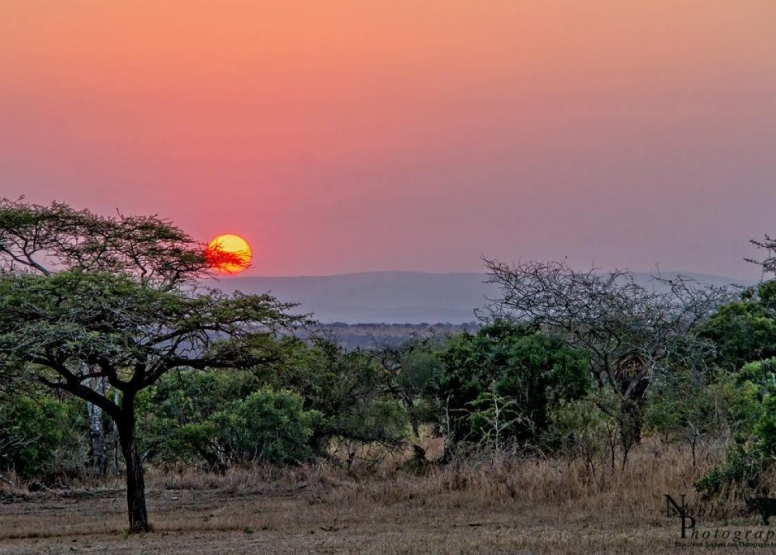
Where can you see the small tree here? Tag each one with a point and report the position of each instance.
(351, 391)
(86, 298)
(492, 418)
(412, 366)
(686, 405)
(580, 428)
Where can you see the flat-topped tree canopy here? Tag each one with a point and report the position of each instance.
(85, 297)
(84, 325)
(47, 239)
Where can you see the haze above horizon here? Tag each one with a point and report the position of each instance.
(356, 135)
(397, 297)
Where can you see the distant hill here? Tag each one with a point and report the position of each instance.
(376, 297)
(393, 297)
(371, 336)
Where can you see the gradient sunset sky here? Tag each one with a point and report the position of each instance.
(358, 135)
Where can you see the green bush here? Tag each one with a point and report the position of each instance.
(745, 330)
(225, 418)
(267, 426)
(753, 454)
(352, 393)
(581, 428)
(529, 372)
(685, 406)
(41, 435)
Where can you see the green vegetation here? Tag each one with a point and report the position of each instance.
(90, 304)
(111, 360)
(40, 435)
(745, 330)
(503, 383)
(752, 453)
(215, 421)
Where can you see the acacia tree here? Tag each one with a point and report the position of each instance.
(86, 298)
(632, 333)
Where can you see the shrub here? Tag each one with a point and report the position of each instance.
(267, 426)
(525, 371)
(41, 435)
(753, 454)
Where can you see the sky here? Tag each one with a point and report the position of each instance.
(344, 136)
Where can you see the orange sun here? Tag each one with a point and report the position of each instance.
(229, 254)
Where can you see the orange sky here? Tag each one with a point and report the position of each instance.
(344, 136)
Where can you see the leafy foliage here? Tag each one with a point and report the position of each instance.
(350, 391)
(753, 453)
(343, 398)
(268, 426)
(86, 299)
(695, 407)
(224, 418)
(745, 330)
(582, 428)
(527, 371)
(40, 435)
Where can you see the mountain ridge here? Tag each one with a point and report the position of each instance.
(398, 297)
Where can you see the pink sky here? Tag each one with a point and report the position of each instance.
(357, 135)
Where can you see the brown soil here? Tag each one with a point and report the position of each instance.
(530, 507)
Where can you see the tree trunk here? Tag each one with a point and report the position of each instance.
(631, 422)
(96, 429)
(136, 504)
(115, 437)
(450, 439)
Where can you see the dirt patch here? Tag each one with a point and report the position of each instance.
(301, 521)
(498, 507)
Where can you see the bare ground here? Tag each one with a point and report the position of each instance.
(532, 507)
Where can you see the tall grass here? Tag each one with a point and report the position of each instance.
(479, 482)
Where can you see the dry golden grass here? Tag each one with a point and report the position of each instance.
(496, 505)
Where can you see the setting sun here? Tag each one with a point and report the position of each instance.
(229, 254)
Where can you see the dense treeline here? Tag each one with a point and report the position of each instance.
(371, 336)
(512, 388)
(111, 359)
(498, 388)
